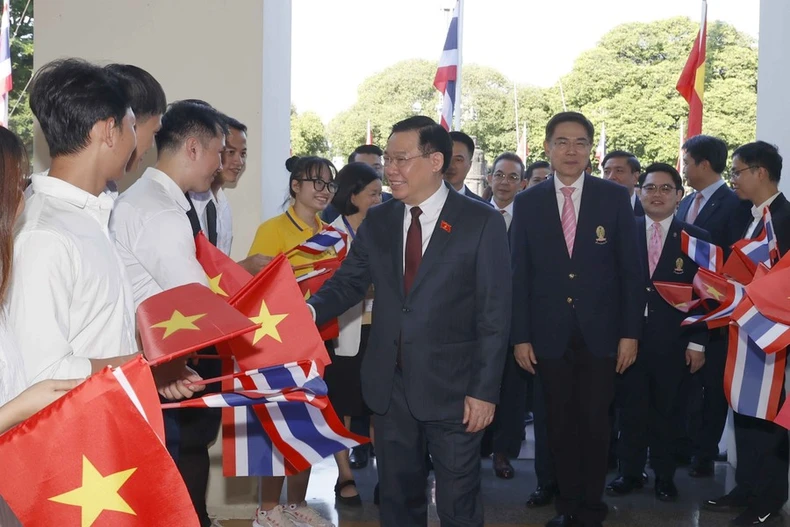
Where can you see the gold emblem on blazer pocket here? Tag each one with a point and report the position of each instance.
(679, 266)
(600, 234)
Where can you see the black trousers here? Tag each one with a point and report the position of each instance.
(544, 460)
(707, 387)
(508, 425)
(650, 390)
(401, 445)
(761, 474)
(579, 389)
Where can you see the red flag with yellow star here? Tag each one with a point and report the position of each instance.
(312, 282)
(185, 319)
(225, 277)
(691, 83)
(287, 332)
(92, 459)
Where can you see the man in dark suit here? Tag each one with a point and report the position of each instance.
(460, 164)
(666, 349)
(762, 446)
(716, 209)
(370, 155)
(578, 303)
(438, 262)
(623, 167)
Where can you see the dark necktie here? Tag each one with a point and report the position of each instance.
(413, 249)
(193, 217)
(211, 222)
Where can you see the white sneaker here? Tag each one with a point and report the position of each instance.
(303, 516)
(273, 518)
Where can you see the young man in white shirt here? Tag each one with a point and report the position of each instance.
(156, 244)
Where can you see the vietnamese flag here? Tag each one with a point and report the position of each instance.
(738, 266)
(771, 295)
(186, 319)
(312, 282)
(225, 277)
(691, 83)
(676, 295)
(92, 458)
(286, 330)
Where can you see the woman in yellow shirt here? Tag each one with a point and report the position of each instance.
(311, 187)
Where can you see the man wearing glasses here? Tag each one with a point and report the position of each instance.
(666, 350)
(623, 168)
(578, 304)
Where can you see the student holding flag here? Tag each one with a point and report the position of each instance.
(311, 187)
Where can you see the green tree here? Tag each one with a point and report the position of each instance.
(21, 121)
(308, 136)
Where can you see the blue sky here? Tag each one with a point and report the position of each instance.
(338, 43)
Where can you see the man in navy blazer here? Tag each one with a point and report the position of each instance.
(666, 349)
(578, 303)
(623, 167)
(715, 208)
(441, 318)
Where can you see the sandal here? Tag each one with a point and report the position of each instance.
(352, 501)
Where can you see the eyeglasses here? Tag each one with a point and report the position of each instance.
(400, 161)
(735, 173)
(564, 144)
(665, 190)
(510, 178)
(319, 184)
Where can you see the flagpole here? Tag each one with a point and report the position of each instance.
(457, 113)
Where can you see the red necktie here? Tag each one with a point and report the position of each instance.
(413, 249)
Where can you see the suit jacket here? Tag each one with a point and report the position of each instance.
(638, 210)
(453, 325)
(780, 217)
(662, 331)
(469, 194)
(599, 285)
(724, 216)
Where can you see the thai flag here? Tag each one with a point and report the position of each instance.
(704, 254)
(753, 380)
(329, 238)
(447, 73)
(769, 336)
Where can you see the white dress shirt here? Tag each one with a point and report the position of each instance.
(508, 214)
(154, 237)
(707, 192)
(350, 322)
(576, 196)
(633, 200)
(431, 208)
(70, 299)
(12, 369)
(224, 217)
(757, 215)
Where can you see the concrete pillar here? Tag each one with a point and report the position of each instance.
(235, 54)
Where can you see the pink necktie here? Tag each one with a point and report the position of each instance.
(568, 218)
(654, 247)
(694, 212)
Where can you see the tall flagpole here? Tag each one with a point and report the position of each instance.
(457, 113)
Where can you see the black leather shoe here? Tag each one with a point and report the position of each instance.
(727, 503)
(752, 517)
(622, 486)
(563, 520)
(352, 501)
(502, 467)
(701, 468)
(666, 490)
(359, 457)
(542, 496)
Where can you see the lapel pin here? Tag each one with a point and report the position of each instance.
(600, 234)
(679, 266)
(446, 226)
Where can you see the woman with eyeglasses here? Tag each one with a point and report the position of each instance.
(310, 187)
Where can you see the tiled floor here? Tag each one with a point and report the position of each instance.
(504, 501)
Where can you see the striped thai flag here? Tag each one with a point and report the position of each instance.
(753, 380)
(5, 63)
(762, 249)
(329, 238)
(769, 336)
(447, 73)
(704, 254)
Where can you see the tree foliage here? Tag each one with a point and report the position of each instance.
(308, 135)
(627, 81)
(21, 121)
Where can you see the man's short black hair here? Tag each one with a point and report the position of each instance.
(433, 138)
(509, 156)
(145, 93)
(184, 119)
(69, 96)
(707, 148)
(761, 154)
(468, 142)
(365, 149)
(633, 162)
(534, 166)
(235, 124)
(351, 180)
(662, 167)
(569, 117)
